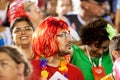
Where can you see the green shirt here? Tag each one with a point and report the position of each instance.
(81, 61)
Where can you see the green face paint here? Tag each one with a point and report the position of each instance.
(112, 32)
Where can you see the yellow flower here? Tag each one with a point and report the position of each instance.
(44, 74)
(63, 68)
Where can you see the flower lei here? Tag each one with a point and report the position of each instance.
(43, 66)
(62, 67)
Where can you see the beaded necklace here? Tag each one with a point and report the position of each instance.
(62, 68)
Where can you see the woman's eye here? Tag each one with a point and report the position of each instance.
(28, 28)
(17, 30)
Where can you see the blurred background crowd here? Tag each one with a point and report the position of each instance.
(76, 12)
(92, 25)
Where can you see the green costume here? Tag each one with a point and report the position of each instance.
(81, 60)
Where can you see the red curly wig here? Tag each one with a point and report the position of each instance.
(44, 41)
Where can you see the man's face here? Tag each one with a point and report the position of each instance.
(22, 33)
(65, 41)
(96, 9)
(35, 14)
(63, 7)
(97, 50)
(66, 6)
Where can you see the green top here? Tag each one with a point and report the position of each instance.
(81, 61)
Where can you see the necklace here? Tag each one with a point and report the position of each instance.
(44, 68)
(63, 67)
(98, 71)
(89, 57)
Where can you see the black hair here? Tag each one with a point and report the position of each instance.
(94, 31)
(19, 20)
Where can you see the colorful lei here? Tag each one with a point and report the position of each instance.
(43, 66)
(62, 67)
